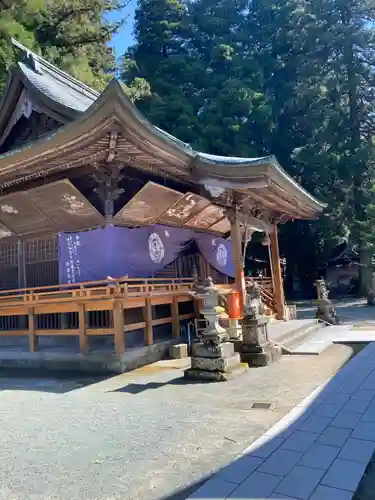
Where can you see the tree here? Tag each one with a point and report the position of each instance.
(350, 69)
(228, 80)
(13, 16)
(73, 34)
(317, 60)
(161, 58)
(289, 77)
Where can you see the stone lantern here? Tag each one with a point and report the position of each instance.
(211, 310)
(213, 357)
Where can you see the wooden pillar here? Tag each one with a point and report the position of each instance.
(83, 340)
(147, 314)
(175, 317)
(118, 326)
(239, 275)
(32, 337)
(277, 278)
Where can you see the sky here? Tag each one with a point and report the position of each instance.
(124, 37)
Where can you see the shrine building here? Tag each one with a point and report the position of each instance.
(90, 189)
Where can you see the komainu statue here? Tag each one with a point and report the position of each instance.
(325, 310)
(254, 306)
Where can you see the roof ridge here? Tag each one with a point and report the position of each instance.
(51, 68)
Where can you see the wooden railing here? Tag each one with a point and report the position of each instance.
(96, 309)
(265, 288)
(264, 283)
(129, 287)
(266, 291)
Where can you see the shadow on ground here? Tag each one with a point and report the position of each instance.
(134, 388)
(269, 468)
(57, 383)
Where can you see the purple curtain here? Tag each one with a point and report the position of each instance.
(118, 251)
(217, 251)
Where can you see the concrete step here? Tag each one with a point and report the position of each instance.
(296, 345)
(292, 338)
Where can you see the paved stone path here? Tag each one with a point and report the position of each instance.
(319, 451)
(321, 339)
(145, 435)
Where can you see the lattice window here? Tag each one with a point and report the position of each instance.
(8, 255)
(41, 261)
(41, 250)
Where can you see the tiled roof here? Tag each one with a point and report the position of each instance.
(72, 94)
(57, 90)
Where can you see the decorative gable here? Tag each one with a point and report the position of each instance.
(28, 129)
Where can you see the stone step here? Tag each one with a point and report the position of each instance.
(294, 345)
(293, 338)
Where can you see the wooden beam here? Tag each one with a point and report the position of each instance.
(277, 192)
(237, 256)
(118, 326)
(112, 146)
(147, 314)
(263, 200)
(277, 278)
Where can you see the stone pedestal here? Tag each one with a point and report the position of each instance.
(269, 353)
(256, 350)
(178, 351)
(234, 329)
(213, 358)
(214, 362)
(235, 333)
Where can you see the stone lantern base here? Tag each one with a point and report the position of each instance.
(260, 356)
(234, 330)
(214, 362)
(256, 349)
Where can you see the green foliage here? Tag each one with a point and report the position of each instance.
(289, 77)
(159, 57)
(72, 34)
(237, 77)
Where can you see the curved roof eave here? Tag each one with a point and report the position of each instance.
(242, 170)
(87, 109)
(52, 95)
(282, 175)
(9, 98)
(112, 106)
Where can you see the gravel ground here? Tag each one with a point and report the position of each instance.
(146, 435)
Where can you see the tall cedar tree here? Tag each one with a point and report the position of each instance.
(73, 34)
(286, 35)
(289, 77)
(160, 57)
(349, 74)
